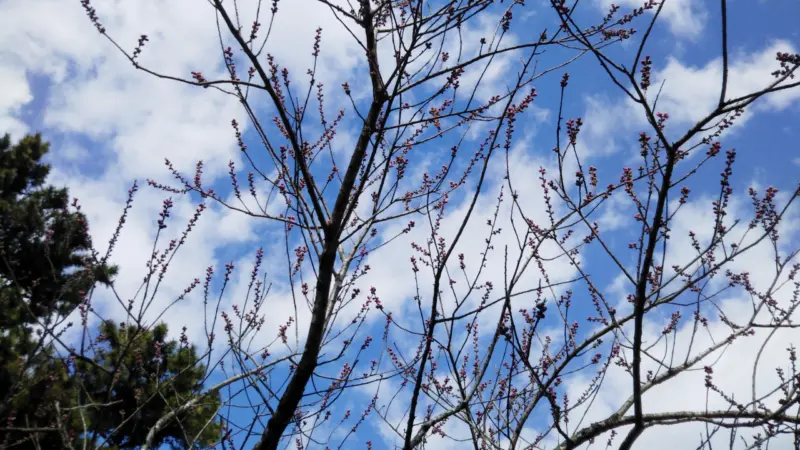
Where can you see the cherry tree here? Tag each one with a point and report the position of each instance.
(433, 290)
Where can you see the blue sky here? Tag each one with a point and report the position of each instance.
(110, 125)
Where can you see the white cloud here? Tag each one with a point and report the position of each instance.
(692, 92)
(101, 201)
(689, 94)
(16, 93)
(686, 18)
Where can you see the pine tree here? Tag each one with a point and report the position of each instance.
(47, 267)
(43, 270)
(145, 376)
